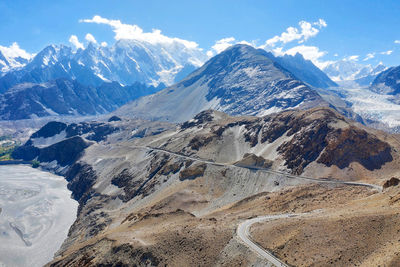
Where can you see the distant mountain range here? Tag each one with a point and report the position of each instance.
(66, 97)
(241, 80)
(387, 82)
(305, 70)
(58, 79)
(12, 58)
(350, 70)
(126, 62)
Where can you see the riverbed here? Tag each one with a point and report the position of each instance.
(36, 213)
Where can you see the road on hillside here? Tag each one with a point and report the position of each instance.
(243, 230)
(288, 175)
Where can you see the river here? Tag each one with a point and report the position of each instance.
(36, 214)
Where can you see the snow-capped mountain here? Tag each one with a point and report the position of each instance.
(369, 73)
(351, 70)
(240, 80)
(12, 57)
(377, 104)
(305, 70)
(127, 62)
(66, 97)
(387, 82)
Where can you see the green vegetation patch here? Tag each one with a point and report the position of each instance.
(7, 146)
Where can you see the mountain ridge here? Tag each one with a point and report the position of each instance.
(66, 97)
(305, 70)
(127, 62)
(387, 82)
(241, 80)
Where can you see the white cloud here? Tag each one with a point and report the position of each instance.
(321, 23)
(90, 38)
(134, 32)
(305, 31)
(389, 52)
(309, 52)
(224, 43)
(14, 51)
(369, 56)
(12, 54)
(103, 44)
(397, 41)
(221, 45)
(75, 41)
(351, 58)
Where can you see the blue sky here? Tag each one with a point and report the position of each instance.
(353, 28)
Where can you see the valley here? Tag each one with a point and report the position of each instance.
(151, 150)
(162, 193)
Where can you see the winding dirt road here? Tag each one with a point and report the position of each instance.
(243, 230)
(288, 175)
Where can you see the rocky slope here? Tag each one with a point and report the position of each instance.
(66, 97)
(241, 80)
(305, 70)
(154, 193)
(356, 233)
(387, 82)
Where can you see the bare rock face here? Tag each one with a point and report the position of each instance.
(114, 118)
(65, 152)
(110, 254)
(391, 182)
(315, 139)
(202, 117)
(194, 171)
(253, 161)
(81, 178)
(50, 129)
(355, 145)
(319, 135)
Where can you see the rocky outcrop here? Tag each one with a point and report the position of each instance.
(114, 118)
(65, 152)
(67, 149)
(199, 119)
(253, 161)
(80, 179)
(192, 172)
(136, 183)
(25, 152)
(50, 129)
(320, 141)
(112, 254)
(355, 145)
(311, 136)
(94, 131)
(391, 182)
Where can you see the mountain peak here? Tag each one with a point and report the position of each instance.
(241, 80)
